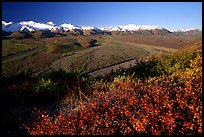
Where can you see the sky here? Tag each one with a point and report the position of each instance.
(170, 15)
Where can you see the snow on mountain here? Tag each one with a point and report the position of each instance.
(111, 29)
(28, 23)
(50, 26)
(67, 27)
(133, 27)
(88, 28)
(129, 27)
(26, 29)
(51, 23)
(194, 29)
(185, 30)
(32, 26)
(95, 29)
(4, 23)
(10, 26)
(37, 26)
(27, 26)
(115, 29)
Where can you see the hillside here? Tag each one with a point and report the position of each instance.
(159, 95)
(82, 53)
(168, 103)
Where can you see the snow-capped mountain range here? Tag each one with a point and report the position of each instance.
(185, 30)
(29, 26)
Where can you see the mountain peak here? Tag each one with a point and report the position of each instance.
(50, 23)
(185, 30)
(88, 27)
(69, 26)
(32, 26)
(4, 23)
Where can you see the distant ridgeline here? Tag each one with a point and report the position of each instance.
(50, 29)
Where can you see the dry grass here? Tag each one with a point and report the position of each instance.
(112, 49)
(169, 41)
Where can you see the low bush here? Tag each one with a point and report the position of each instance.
(157, 106)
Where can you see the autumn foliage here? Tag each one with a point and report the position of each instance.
(169, 104)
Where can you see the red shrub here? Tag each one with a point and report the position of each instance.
(132, 108)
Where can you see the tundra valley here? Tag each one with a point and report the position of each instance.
(72, 80)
